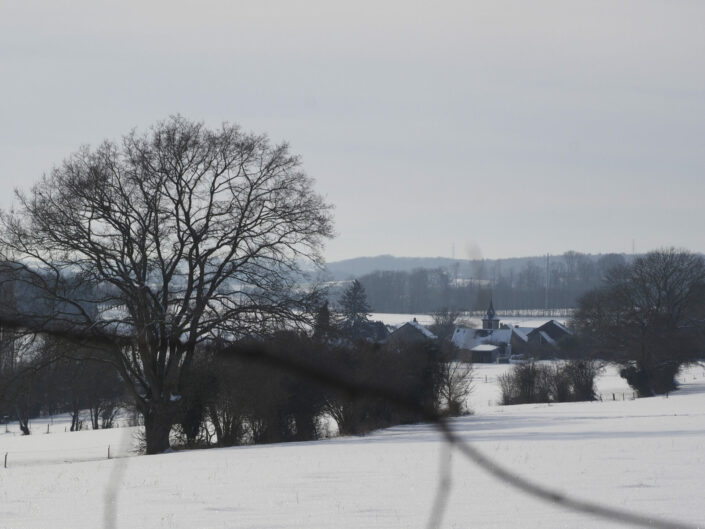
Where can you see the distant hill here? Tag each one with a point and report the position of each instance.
(426, 284)
(359, 266)
(459, 268)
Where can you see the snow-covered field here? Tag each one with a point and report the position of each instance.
(396, 320)
(646, 455)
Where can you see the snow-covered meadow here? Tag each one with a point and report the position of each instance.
(646, 455)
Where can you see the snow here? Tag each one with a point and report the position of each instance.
(523, 332)
(397, 320)
(486, 396)
(485, 347)
(561, 326)
(423, 330)
(646, 455)
(469, 338)
(547, 338)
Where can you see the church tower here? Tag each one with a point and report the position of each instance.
(490, 321)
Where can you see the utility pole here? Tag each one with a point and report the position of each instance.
(545, 306)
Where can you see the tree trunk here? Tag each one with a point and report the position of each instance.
(75, 416)
(23, 421)
(157, 426)
(95, 414)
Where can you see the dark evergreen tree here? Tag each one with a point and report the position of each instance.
(324, 326)
(354, 307)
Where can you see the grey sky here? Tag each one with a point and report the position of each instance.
(507, 128)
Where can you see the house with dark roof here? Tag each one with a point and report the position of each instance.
(411, 332)
(367, 330)
(548, 334)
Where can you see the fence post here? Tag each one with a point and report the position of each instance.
(108, 451)
(47, 427)
(613, 397)
(5, 459)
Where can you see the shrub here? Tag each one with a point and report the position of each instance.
(655, 380)
(572, 380)
(454, 388)
(582, 374)
(413, 371)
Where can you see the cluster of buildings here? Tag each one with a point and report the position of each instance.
(494, 342)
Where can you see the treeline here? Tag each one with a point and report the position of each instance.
(648, 317)
(429, 290)
(276, 387)
(267, 391)
(64, 382)
(279, 388)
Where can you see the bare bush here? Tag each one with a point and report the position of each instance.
(455, 387)
(568, 381)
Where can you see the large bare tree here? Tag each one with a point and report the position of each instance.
(166, 240)
(649, 316)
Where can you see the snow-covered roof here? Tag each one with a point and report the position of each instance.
(551, 331)
(485, 347)
(547, 338)
(522, 332)
(416, 325)
(465, 338)
(561, 326)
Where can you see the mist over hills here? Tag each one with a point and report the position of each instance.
(479, 269)
(428, 284)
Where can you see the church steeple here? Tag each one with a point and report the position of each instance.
(490, 311)
(490, 321)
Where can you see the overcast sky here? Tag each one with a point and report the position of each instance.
(505, 128)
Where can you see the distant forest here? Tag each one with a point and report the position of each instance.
(513, 284)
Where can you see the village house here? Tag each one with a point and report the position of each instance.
(411, 332)
(495, 342)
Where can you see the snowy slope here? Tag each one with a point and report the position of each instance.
(646, 455)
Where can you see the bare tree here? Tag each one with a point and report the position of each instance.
(444, 323)
(455, 386)
(184, 234)
(649, 316)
